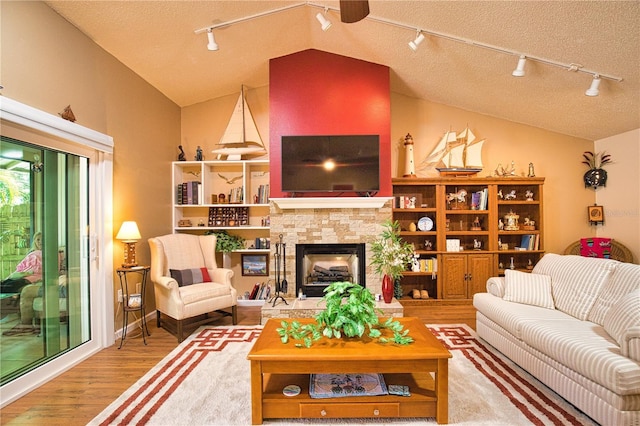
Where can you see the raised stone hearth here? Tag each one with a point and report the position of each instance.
(309, 307)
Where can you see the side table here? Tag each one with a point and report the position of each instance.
(133, 302)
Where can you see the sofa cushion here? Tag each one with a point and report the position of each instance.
(624, 280)
(511, 316)
(529, 289)
(587, 349)
(575, 281)
(622, 322)
(186, 277)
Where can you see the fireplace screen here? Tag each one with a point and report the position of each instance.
(318, 265)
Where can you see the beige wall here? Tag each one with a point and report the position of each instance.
(621, 197)
(48, 64)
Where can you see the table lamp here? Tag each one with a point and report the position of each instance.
(129, 234)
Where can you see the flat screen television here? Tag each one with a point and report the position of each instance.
(334, 163)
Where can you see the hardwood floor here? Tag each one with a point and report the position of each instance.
(78, 395)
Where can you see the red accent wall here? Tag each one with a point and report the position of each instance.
(319, 93)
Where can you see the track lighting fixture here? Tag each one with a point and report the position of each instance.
(416, 42)
(420, 37)
(212, 45)
(519, 71)
(593, 89)
(326, 24)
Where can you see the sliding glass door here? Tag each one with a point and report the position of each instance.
(45, 265)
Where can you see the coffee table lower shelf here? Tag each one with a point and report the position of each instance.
(421, 403)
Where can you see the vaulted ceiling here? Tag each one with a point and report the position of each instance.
(156, 40)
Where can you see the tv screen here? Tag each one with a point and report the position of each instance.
(337, 163)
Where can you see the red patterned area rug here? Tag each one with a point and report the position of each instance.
(205, 381)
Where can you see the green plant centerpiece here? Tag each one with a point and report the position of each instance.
(350, 311)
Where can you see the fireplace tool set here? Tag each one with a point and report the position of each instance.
(280, 260)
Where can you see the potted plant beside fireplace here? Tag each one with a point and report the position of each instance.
(391, 255)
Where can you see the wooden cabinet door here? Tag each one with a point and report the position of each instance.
(454, 270)
(479, 270)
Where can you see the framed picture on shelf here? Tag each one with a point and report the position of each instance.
(255, 265)
(596, 214)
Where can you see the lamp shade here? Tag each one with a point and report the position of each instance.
(129, 232)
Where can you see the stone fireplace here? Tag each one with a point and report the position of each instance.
(348, 221)
(318, 265)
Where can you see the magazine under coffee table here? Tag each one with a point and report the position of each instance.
(275, 365)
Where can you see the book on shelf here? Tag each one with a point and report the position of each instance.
(254, 291)
(530, 242)
(263, 195)
(189, 193)
(429, 265)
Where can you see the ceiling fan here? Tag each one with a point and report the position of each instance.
(353, 10)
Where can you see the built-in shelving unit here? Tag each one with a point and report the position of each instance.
(222, 195)
(464, 231)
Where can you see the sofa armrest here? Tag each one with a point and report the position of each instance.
(632, 343)
(495, 286)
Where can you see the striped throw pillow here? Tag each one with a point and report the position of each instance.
(529, 289)
(186, 277)
(622, 322)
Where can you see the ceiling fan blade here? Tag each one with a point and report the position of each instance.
(353, 10)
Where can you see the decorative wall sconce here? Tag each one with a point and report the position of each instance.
(596, 176)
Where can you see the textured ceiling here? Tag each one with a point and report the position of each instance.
(156, 40)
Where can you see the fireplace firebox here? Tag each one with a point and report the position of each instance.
(319, 265)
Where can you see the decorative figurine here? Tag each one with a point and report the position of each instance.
(511, 195)
(409, 167)
(500, 224)
(475, 226)
(428, 245)
(529, 195)
(67, 114)
(181, 156)
(529, 225)
(529, 265)
(199, 154)
(512, 265)
(500, 196)
(477, 244)
(532, 173)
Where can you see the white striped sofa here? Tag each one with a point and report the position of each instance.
(574, 324)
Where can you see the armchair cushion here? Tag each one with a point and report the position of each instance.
(186, 277)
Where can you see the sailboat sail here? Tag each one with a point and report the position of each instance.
(241, 137)
(439, 152)
(474, 155)
(456, 155)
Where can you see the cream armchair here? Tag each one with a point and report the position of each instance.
(178, 264)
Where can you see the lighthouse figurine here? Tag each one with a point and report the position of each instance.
(409, 165)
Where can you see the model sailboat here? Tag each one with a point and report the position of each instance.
(241, 136)
(456, 155)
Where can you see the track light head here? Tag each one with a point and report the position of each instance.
(593, 89)
(324, 22)
(519, 71)
(416, 42)
(212, 45)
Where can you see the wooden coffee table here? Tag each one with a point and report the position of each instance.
(275, 365)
